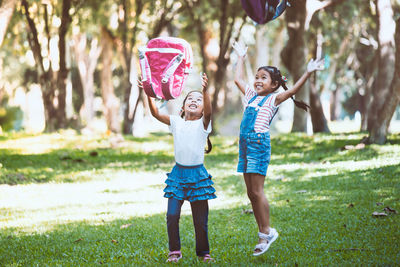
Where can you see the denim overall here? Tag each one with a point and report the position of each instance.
(254, 148)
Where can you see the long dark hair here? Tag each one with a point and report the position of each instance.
(182, 114)
(276, 76)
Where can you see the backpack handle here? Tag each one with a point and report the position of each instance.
(146, 74)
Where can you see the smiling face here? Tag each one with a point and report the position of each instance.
(263, 83)
(193, 106)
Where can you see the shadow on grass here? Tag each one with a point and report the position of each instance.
(311, 233)
(41, 168)
(60, 164)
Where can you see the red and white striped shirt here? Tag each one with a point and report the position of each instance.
(265, 113)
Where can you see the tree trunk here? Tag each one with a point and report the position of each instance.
(278, 45)
(378, 133)
(63, 72)
(111, 102)
(87, 62)
(294, 57)
(334, 104)
(6, 10)
(386, 61)
(46, 77)
(319, 123)
(262, 47)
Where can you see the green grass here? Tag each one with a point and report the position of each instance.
(72, 200)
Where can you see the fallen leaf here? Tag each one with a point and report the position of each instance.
(348, 147)
(379, 203)
(390, 210)
(301, 191)
(351, 205)
(78, 240)
(125, 226)
(356, 147)
(378, 214)
(287, 200)
(114, 241)
(94, 153)
(360, 146)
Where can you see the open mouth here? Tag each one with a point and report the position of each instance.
(192, 106)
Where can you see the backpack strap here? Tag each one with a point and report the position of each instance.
(168, 76)
(281, 8)
(146, 74)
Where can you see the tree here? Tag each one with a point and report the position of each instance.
(161, 14)
(6, 10)
(227, 14)
(53, 83)
(294, 55)
(86, 60)
(111, 102)
(386, 93)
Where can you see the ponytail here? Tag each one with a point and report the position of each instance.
(299, 104)
(276, 76)
(209, 145)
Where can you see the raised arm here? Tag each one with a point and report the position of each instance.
(241, 51)
(154, 110)
(312, 66)
(207, 108)
(156, 114)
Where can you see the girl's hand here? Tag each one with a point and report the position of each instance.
(204, 81)
(314, 65)
(240, 49)
(139, 84)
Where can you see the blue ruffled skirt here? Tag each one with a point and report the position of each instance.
(190, 183)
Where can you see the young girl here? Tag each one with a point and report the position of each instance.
(254, 142)
(189, 179)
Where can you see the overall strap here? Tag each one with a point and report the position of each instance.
(263, 100)
(252, 99)
(276, 111)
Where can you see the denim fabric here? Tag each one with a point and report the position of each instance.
(254, 153)
(254, 148)
(200, 221)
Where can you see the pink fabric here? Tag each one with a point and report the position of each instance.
(158, 63)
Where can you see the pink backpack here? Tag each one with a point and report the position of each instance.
(165, 63)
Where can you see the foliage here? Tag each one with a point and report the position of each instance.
(10, 118)
(322, 189)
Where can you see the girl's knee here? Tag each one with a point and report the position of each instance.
(255, 195)
(173, 217)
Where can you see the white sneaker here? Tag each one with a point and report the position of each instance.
(263, 247)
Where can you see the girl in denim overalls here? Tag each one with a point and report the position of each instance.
(189, 179)
(262, 103)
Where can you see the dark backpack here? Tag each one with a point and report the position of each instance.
(263, 11)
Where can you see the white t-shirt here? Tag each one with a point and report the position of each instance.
(189, 140)
(266, 112)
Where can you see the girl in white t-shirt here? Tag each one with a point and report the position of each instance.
(189, 179)
(262, 103)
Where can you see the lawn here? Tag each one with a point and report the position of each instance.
(71, 200)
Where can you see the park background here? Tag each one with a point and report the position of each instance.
(82, 162)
